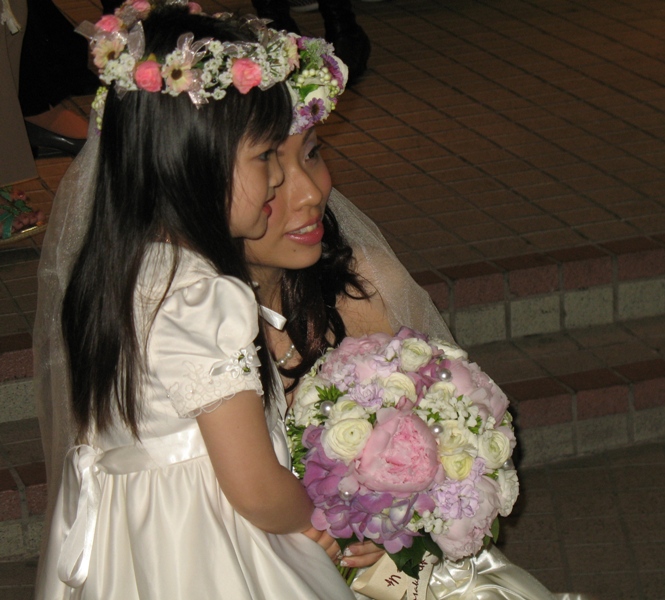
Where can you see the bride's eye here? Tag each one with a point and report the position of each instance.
(314, 153)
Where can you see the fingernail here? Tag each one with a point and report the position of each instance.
(348, 551)
(343, 563)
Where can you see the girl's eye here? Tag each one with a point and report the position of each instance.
(265, 156)
(314, 152)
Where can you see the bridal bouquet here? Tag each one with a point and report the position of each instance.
(402, 441)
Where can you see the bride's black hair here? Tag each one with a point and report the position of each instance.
(310, 295)
(165, 171)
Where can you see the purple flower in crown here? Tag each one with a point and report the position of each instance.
(335, 71)
(314, 110)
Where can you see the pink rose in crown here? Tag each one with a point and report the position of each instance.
(108, 23)
(246, 75)
(400, 455)
(194, 8)
(474, 383)
(148, 76)
(141, 6)
(465, 535)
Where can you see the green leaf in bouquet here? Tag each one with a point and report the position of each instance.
(494, 533)
(495, 530)
(408, 559)
(329, 394)
(476, 428)
(345, 542)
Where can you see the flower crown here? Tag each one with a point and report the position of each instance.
(206, 68)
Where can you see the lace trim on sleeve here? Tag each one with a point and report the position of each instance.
(204, 391)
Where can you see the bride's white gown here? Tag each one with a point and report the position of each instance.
(152, 521)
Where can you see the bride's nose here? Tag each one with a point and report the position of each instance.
(302, 189)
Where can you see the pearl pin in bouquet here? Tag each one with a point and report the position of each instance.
(401, 440)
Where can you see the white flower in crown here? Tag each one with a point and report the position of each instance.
(108, 49)
(179, 71)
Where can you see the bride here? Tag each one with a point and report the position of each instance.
(326, 266)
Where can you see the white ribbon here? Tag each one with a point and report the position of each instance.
(487, 576)
(82, 465)
(76, 550)
(272, 317)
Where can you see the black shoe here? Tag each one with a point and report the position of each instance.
(46, 143)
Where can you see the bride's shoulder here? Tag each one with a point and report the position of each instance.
(363, 316)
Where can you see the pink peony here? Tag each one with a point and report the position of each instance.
(465, 536)
(108, 23)
(148, 76)
(400, 455)
(355, 347)
(246, 74)
(483, 392)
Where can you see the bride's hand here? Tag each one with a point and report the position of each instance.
(326, 541)
(361, 554)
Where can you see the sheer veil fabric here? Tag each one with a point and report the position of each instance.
(68, 225)
(406, 302)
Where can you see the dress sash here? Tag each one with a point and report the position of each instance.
(81, 489)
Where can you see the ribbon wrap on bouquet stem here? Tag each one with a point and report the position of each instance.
(487, 576)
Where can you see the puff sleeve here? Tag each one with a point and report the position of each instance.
(201, 345)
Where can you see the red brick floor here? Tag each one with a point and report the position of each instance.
(489, 136)
(484, 133)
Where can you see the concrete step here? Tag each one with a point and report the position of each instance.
(562, 290)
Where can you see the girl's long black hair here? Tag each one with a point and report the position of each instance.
(309, 299)
(165, 170)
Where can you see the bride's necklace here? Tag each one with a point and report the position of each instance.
(287, 357)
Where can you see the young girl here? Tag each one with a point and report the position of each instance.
(179, 485)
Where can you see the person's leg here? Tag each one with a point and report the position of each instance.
(16, 161)
(350, 40)
(278, 12)
(54, 60)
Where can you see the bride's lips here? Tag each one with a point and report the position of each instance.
(309, 234)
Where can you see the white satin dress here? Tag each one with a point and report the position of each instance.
(148, 520)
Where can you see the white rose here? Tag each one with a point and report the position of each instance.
(510, 489)
(457, 466)
(345, 409)
(346, 439)
(414, 354)
(450, 350)
(494, 447)
(395, 386)
(455, 439)
(305, 397)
